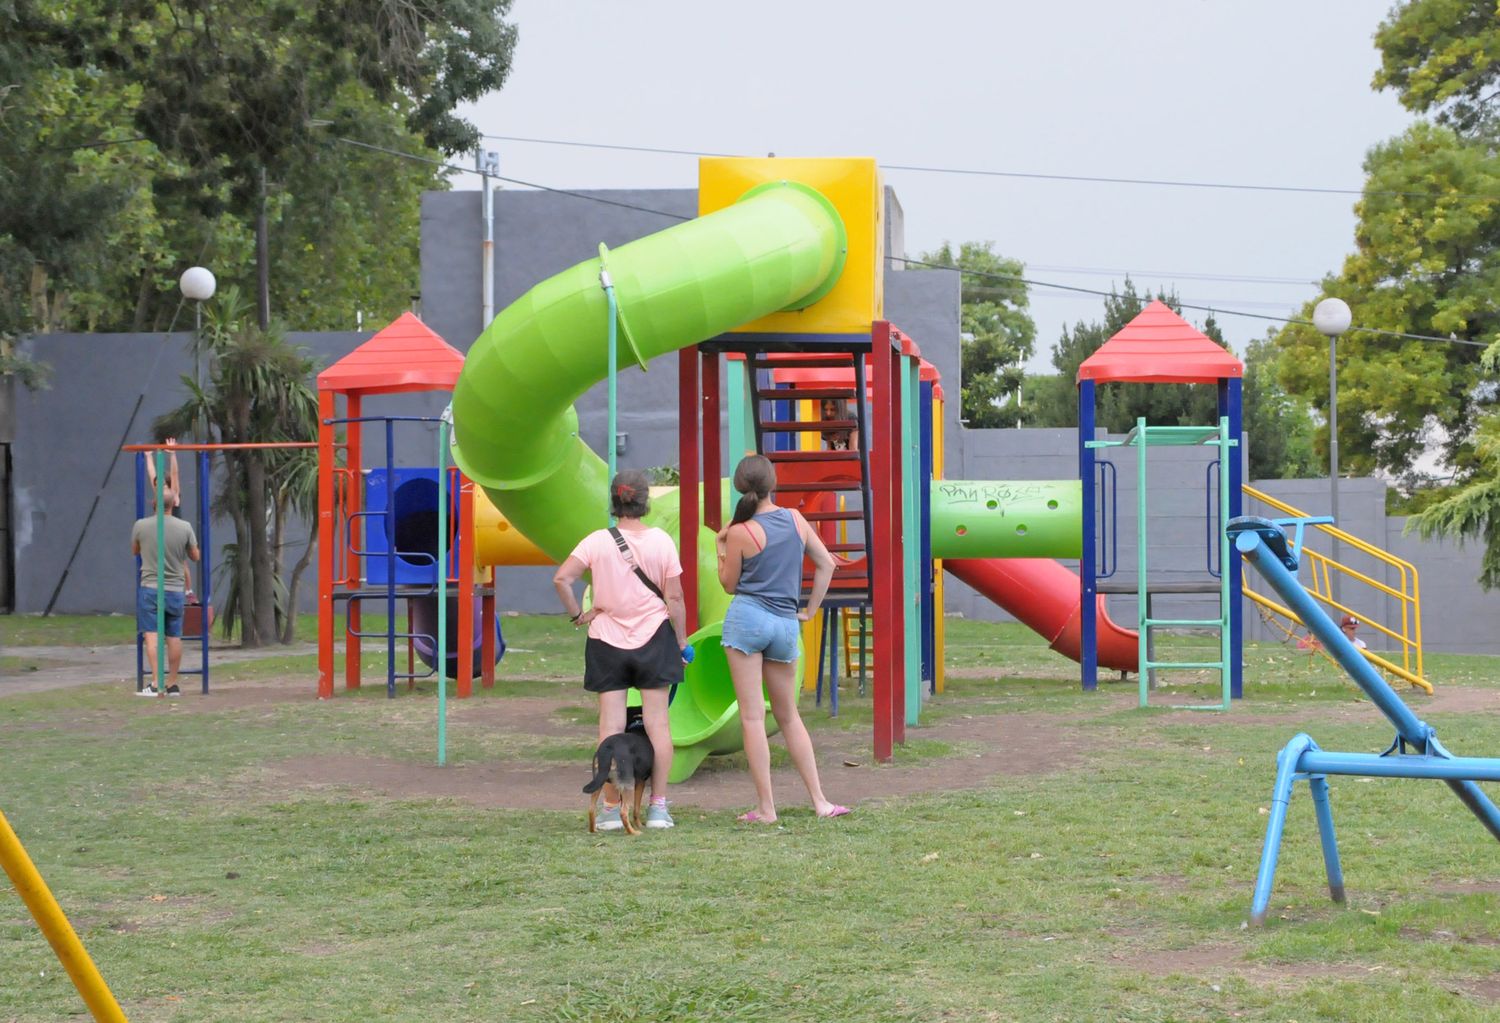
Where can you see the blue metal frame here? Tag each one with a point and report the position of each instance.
(1088, 584)
(1109, 518)
(1231, 406)
(927, 581)
(1415, 752)
(205, 571)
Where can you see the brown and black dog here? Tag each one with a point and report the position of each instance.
(625, 760)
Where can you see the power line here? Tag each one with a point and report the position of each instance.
(1036, 176)
(1212, 310)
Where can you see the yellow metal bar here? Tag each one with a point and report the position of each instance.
(812, 642)
(60, 935)
(1369, 655)
(1409, 593)
(939, 671)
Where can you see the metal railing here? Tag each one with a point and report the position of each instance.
(1323, 572)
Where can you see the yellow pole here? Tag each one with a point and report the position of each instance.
(49, 917)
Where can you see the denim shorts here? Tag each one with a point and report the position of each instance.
(145, 610)
(751, 629)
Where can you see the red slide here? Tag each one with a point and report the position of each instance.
(1043, 595)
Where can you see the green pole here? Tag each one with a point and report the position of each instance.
(158, 457)
(1143, 636)
(442, 577)
(911, 546)
(741, 424)
(610, 441)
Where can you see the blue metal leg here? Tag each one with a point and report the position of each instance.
(822, 650)
(1286, 774)
(1318, 785)
(833, 626)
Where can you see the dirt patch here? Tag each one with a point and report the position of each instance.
(1484, 989)
(1035, 744)
(1220, 962)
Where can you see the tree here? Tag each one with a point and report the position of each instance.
(258, 392)
(1000, 335)
(1443, 56)
(1427, 261)
(1279, 427)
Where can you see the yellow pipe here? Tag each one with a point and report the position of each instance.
(49, 917)
(497, 542)
(1370, 656)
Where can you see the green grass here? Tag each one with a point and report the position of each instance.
(1112, 890)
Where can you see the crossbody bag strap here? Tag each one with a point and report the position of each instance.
(630, 560)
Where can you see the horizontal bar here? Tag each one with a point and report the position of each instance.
(1215, 623)
(808, 425)
(220, 447)
(1399, 766)
(383, 419)
(1216, 665)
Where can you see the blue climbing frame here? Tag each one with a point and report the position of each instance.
(1414, 753)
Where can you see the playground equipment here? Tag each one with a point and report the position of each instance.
(1414, 753)
(1401, 586)
(407, 557)
(1158, 346)
(54, 926)
(204, 568)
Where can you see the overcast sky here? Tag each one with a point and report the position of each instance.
(1275, 92)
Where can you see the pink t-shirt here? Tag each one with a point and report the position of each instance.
(631, 614)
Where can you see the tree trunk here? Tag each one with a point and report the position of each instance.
(235, 476)
(262, 564)
(289, 627)
(278, 528)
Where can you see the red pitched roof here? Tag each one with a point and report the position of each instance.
(1160, 347)
(405, 356)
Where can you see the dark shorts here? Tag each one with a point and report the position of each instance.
(145, 611)
(658, 664)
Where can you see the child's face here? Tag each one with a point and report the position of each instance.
(830, 408)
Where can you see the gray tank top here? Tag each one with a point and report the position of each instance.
(773, 577)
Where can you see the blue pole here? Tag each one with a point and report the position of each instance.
(442, 589)
(206, 565)
(1286, 773)
(1318, 785)
(140, 513)
(389, 520)
(1088, 585)
(1231, 405)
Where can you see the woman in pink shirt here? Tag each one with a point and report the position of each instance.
(636, 635)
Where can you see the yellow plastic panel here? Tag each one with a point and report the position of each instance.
(853, 186)
(497, 542)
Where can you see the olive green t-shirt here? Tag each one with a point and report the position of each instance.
(179, 537)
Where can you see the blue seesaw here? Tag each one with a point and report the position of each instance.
(1414, 753)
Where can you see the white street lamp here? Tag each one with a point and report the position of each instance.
(1332, 317)
(198, 285)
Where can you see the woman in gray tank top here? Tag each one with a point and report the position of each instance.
(760, 562)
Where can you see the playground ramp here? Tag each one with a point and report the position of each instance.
(1358, 593)
(1044, 596)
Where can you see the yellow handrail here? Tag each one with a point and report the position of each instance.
(54, 925)
(1324, 569)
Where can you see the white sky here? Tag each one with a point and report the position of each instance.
(1275, 92)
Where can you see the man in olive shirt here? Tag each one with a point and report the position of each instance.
(180, 545)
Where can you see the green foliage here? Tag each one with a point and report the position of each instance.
(1427, 261)
(1443, 56)
(1279, 428)
(201, 97)
(1001, 333)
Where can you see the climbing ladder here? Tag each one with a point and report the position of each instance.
(1143, 437)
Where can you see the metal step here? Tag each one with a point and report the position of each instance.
(809, 426)
(813, 456)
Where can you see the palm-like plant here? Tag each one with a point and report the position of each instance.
(259, 392)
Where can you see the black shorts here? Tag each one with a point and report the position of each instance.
(658, 664)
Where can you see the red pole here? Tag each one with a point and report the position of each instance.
(713, 468)
(900, 599)
(464, 535)
(327, 538)
(881, 506)
(687, 492)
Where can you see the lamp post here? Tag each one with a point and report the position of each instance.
(198, 285)
(1332, 317)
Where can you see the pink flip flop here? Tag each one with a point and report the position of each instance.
(755, 818)
(837, 811)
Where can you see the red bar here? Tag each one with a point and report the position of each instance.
(687, 493)
(900, 599)
(464, 681)
(327, 538)
(713, 469)
(881, 507)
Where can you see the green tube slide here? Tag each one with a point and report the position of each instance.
(515, 432)
(1004, 519)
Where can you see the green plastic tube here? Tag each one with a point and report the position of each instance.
(515, 430)
(1000, 519)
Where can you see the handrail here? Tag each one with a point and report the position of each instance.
(1372, 657)
(1407, 592)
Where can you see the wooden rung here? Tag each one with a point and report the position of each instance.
(847, 515)
(807, 394)
(844, 548)
(813, 456)
(842, 361)
(813, 488)
(809, 425)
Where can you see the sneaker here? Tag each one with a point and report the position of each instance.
(608, 819)
(658, 817)
(147, 691)
(172, 690)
